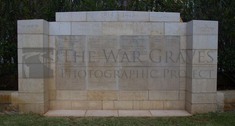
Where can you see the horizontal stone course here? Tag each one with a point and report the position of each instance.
(117, 16)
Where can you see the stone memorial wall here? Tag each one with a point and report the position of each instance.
(117, 60)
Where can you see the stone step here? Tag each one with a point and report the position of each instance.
(117, 113)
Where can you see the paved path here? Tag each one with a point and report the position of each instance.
(118, 113)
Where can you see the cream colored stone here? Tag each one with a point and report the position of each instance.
(164, 16)
(102, 95)
(202, 98)
(31, 97)
(147, 105)
(55, 105)
(202, 27)
(60, 28)
(175, 28)
(117, 28)
(133, 95)
(183, 42)
(200, 108)
(133, 113)
(36, 108)
(163, 95)
(182, 95)
(144, 28)
(203, 85)
(102, 113)
(38, 26)
(32, 41)
(52, 94)
(68, 113)
(70, 16)
(174, 105)
(91, 105)
(86, 28)
(71, 95)
(108, 105)
(102, 16)
(31, 85)
(133, 16)
(123, 105)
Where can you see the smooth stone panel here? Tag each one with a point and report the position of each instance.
(31, 85)
(32, 41)
(201, 97)
(175, 28)
(202, 42)
(202, 27)
(133, 16)
(134, 113)
(117, 28)
(164, 16)
(36, 26)
(87, 28)
(102, 16)
(59, 28)
(70, 16)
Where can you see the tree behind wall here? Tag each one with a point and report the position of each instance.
(13, 10)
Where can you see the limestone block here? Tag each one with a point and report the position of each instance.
(123, 105)
(102, 95)
(182, 95)
(91, 105)
(204, 57)
(202, 27)
(70, 16)
(183, 42)
(133, 16)
(102, 16)
(204, 42)
(55, 105)
(182, 84)
(60, 28)
(71, 95)
(86, 28)
(200, 108)
(174, 105)
(34, 55)
(175, 29)
(31, 85)
(32, 41)
(133, 95)
(202, 85)
(108, 105)
(33, 71)
(146, 28)
(147, 105)
(117, 28)
(70, 78)
(37, 26)
(36, 108)
(163, 95)
(31, 97)
(52, 94)
(164, 16)
(202, 98)
(202, 71)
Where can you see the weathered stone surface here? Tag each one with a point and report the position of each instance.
(200, 27)
(36, 26)
(70, 16)
(59, 28)
(163, 16)
(117, 60)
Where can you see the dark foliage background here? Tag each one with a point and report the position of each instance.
(13, 10)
